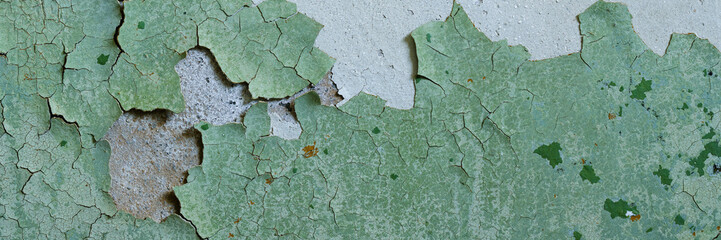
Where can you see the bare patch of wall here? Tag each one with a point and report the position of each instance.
(152, 151)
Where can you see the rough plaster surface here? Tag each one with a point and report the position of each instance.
(152, 151)
(370, 37)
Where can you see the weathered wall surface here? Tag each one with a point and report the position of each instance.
(371, 41)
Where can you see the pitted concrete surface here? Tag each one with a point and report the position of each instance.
(152, 151)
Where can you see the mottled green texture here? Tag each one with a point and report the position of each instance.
(640, 91)
(663, 174)
(619, 208)
(550, 152)
(587, 173)
(577, 235)
(678, 220)
(468, 160)
(699, 162)
(63, 80)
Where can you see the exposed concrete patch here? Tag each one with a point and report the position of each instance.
(152, 151)
(282, 119)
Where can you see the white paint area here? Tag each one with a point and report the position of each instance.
(370, 38)
(629, 214)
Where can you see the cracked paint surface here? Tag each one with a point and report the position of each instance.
(54, 173)
(496, 146)
(65, 78)
(269, 46)
(611, 142)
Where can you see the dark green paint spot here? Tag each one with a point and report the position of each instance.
(699, 105)
(325, 151)
(684, 107)
(204, 127)
(295, 170)
(664, 175)
(577, 235)
(446, 71)
(618, 208)
(63, 143)
(679, 220)
(376, 130)
(394, 176)
(103, 59)
(620, 89)
(428, 37)
(612, 84)
(620, 111)
(418, 80)
(311, 206)
(699, 162)
(551, 153)
(141, 25)
(709, 135)
(587, 173)
(649, 229)
(450, 160)
(641, 89)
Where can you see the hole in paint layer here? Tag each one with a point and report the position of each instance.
(152, 151)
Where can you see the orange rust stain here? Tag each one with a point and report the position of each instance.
(230, 235)
(554, 195)
(718, 228)
(611, 116)
(484, 78)
(29, 77)
(595, 144)
(635, 217)
(694, 234)
(470, 80)
(252, 203)
(310, 151)
(236, 220)
(268, 181)
(583, 161)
